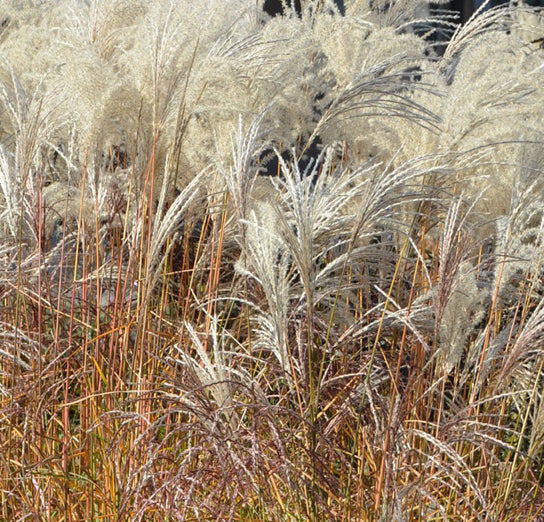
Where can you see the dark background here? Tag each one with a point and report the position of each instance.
(465, 7)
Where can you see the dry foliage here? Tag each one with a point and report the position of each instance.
(355, 336)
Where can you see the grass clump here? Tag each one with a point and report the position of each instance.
(270, 269)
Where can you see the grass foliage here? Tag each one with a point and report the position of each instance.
(357, 336)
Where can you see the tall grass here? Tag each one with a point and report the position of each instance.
(357, 337)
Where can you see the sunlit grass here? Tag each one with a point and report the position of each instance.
(354, 337)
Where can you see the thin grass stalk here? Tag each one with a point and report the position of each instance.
(511, 470)
(377, 493)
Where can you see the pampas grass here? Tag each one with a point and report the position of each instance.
(185, 335)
